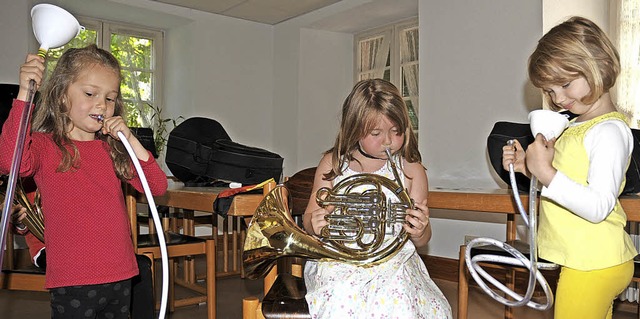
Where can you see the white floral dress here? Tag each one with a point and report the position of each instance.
(398, 288)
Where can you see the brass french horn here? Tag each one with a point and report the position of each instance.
(34, 219)
(357, 228)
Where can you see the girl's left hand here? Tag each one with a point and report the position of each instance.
(113, 125)
(417, 220)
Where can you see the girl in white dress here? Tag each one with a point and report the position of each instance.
(374, 118)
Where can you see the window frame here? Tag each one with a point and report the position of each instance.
(395, 67)
(105, 28)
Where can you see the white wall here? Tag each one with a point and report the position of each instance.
(556, 11)
(322, 90)
(313, 73)
(14, 37)
(472, 74)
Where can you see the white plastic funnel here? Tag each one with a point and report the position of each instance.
(53, 26)
(548, 123)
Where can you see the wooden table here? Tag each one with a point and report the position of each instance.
(201, 199)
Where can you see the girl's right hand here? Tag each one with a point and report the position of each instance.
(514, 154)
(18, 215)
(317, 220)
(32, 69)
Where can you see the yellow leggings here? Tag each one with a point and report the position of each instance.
(590, 294)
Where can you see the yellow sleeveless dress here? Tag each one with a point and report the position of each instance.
(569, 240)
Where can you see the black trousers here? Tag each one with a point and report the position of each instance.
(103, 301)
(142, 302)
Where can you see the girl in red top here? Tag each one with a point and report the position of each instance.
(78, 164)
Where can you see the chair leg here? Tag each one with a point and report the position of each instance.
(243, 235)
(511, 284)
(211, 278)
(297, 270)
(225, 245)
(269, 279)
(188, 228)
(9, 257)
(250, 307)
(463, 285)
(172, 285)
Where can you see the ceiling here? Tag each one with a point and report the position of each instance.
(263, 11)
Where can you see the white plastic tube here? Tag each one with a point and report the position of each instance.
(156, 220)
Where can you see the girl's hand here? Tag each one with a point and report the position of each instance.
(32, 69)
(540, 155)
(18, 215)
(514, 154)
(113, 125)
(317, 220)
(418, 225)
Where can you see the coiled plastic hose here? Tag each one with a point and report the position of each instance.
(518, 258)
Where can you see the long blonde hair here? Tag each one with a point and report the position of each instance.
(52, 114)
(361, 111)
(575, 48)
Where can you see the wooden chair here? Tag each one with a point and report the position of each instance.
(18, 271)
(17, 277)
(178, 245)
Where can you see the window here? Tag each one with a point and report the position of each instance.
(391, 53)
(140, 54)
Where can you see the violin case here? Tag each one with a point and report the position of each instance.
(199, 151)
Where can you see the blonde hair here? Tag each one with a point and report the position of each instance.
(575, 48)
(52, 114)
(361, 111)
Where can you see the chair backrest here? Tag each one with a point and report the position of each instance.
(300, 186)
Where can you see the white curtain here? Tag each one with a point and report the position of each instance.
(373, 57)
(626, 29)
(408, 54)
(625, 26)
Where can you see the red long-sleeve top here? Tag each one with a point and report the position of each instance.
(87, 229)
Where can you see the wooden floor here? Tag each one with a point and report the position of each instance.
(231, 291)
